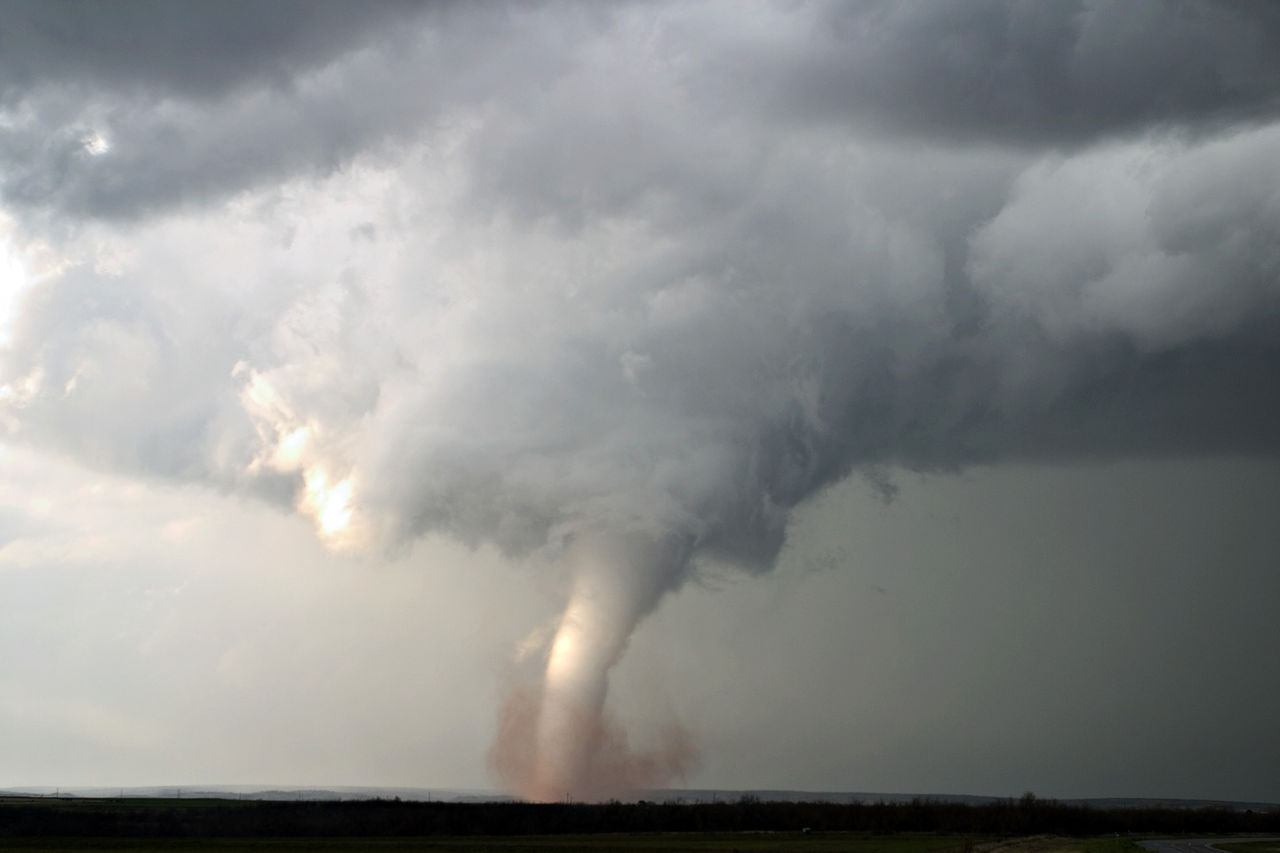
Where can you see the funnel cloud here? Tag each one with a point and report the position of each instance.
(559, 743)
(620, 287)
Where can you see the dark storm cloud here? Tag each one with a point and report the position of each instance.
(1029, 73)
(703, 311)
(120, 111)
(197, 101)
(192, 99)
(198, 50)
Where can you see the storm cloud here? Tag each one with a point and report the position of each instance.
(703, 311)
(526, 273)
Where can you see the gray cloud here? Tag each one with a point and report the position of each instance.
(199, 102)
(132, 111)
(694, 324)
(1031, 73)
(202, 51)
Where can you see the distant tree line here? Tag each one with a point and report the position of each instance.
(370, 818)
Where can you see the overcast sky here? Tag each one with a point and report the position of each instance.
(940, 340)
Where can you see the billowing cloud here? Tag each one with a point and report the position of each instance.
(195, 51)
(195, 103)
(1024, 73)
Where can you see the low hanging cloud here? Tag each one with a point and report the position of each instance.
(538, 275)
(1031, 74)
(197, 104)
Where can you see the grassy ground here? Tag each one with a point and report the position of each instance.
(1251, 846)
(1056, 844)
(691, 842)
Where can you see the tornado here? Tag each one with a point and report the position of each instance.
(570, 748)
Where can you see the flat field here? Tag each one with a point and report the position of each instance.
(598, 843)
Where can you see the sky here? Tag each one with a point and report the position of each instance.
(876, 396)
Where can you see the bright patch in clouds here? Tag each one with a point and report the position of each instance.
(330, 504)
(14, 282)
(96, 144)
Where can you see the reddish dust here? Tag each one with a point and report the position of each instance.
(612, 767)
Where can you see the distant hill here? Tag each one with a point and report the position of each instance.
(663, 795)
(711, 795)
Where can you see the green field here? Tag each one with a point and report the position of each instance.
(919, 826)
(692, 842)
